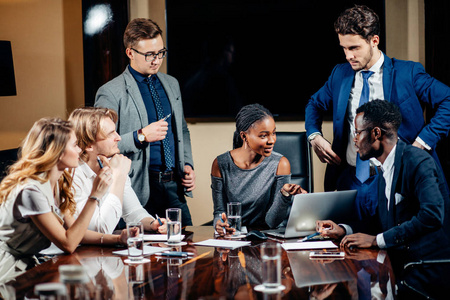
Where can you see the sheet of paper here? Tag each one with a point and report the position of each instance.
(157, 237)
(309, 245)
(148, 250)
(228, 244)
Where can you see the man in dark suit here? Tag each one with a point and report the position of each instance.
(151, 123)
(404, 83)
(413, 201)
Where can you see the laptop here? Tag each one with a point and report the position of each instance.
(306, 209)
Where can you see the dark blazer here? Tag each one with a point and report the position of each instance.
(416, 226)
(405, 83)
(122, 94)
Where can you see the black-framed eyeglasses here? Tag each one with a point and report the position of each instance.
(149, 57)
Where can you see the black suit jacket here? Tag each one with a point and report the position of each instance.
(416, 226)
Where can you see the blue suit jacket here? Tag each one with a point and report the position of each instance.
(405, 83)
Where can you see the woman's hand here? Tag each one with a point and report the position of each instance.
(223, 228)
(292, 189)
(102, 182)
(160, 228)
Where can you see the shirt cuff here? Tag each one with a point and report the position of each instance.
(380, 241)
(347, 228)
(420, 141)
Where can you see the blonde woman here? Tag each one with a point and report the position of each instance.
(36, 199)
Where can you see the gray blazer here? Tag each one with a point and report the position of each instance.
(122, 94)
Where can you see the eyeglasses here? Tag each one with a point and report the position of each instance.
(149, 57)
(358, 132)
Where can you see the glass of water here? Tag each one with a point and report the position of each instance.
(135, 240)
(173, 216)
(234, 216)
(271, 265)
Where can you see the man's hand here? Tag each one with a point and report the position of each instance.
(155, 131)
(418, 145)
(324, 152)
(188, 180)
(330, 229)
(360, 240)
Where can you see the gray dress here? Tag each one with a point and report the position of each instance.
(257, 189)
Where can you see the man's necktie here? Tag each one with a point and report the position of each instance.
(363, 167)
(160, 112)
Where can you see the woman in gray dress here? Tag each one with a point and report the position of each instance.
(253, 174)
(36, 200)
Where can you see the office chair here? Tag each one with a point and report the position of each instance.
(295, 147)
(7, 158)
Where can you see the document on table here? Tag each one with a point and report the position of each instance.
(148, 250)
(157, 237)
(309, 245)
(228, 244)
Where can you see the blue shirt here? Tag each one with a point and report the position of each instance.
(156, 150)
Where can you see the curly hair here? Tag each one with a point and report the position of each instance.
(359, 20)
(383, 114)
(39, 153)
(246, 117)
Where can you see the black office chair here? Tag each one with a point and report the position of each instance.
(7, 158)
(295, 147)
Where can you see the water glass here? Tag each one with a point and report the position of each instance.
(271, 265)
(173, 217)
(75, 278)
(135, 241)
(234, 216)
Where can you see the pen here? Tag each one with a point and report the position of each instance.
(166, 117)
(99, 162)
(159, 220)
(306, 238)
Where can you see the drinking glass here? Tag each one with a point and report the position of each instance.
(271, 265)
(135, 241)
(234, 216)
(173, 216)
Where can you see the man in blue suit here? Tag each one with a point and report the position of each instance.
(411, 219)
(404, 83)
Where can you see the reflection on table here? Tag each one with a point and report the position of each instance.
(214, 273)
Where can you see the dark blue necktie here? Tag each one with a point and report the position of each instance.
(363, 167)
(160, 112)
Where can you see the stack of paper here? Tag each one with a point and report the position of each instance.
(228, 244)
(148, 250)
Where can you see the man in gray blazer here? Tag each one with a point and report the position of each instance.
(151, 123)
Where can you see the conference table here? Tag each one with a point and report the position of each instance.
(217, 273)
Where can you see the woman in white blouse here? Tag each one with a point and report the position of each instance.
(36, 199)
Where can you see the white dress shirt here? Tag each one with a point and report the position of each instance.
(109, 211)
(375, 92)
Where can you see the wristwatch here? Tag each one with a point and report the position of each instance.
(141, 136)
(312, 136)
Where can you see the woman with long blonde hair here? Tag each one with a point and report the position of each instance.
(36, 199)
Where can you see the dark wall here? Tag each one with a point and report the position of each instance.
(227, 53)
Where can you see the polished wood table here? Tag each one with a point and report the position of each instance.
(218, 274)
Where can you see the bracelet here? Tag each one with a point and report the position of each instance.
(284, 193)
(151, 223)
(95, 198)
(101, 239)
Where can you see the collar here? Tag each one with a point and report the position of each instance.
(140, 77)
(388, 164)
(87, 171)
(376, 68)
